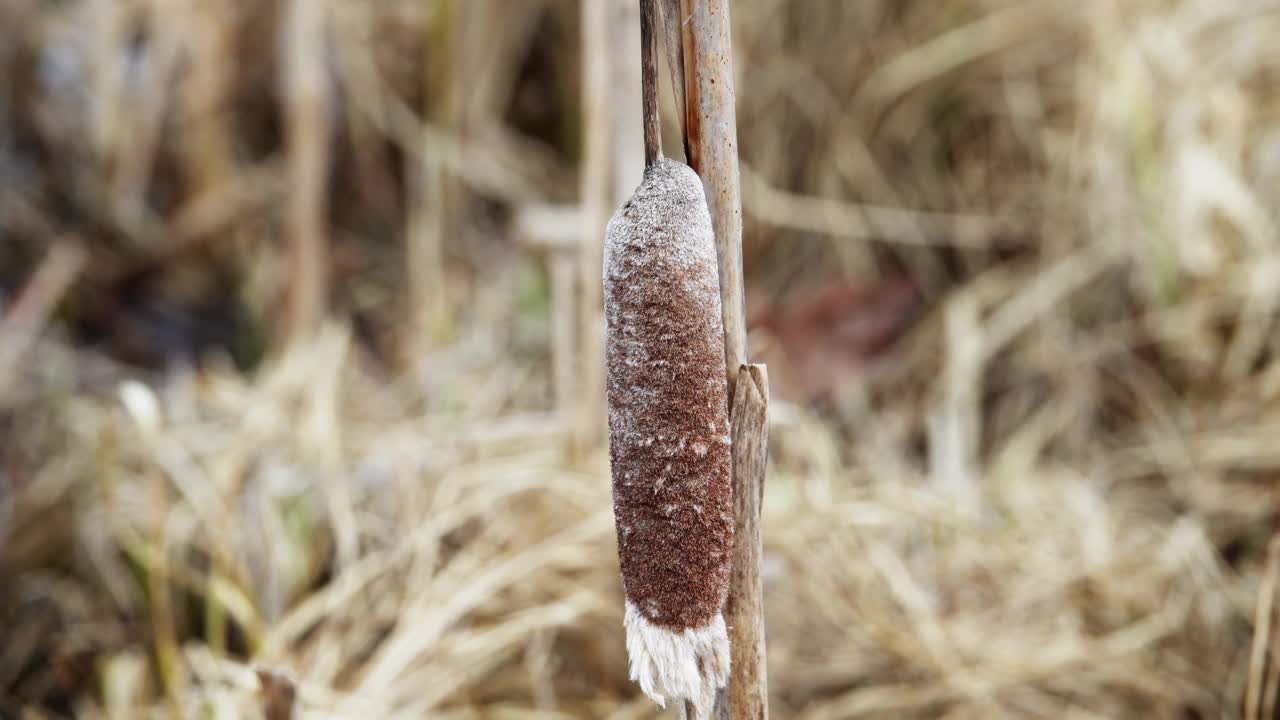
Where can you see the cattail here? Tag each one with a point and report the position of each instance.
(669, 443)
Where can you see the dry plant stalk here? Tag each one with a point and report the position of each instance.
(310, 121)
(671, 21)
(649, 83)
(711, 141)
(1260, 695)
(554, 231)
(626, 82)
(669, 442)
(23, 321)
(748, 695)
(596, 198)
(209, 160)
(424, 239)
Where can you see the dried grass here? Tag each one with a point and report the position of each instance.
(1052, 500)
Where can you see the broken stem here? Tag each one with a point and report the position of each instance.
(711, 142)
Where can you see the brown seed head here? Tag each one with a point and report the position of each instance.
(668, 415)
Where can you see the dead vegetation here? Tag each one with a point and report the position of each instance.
(1046, 490)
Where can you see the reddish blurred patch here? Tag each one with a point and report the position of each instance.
(823, 339)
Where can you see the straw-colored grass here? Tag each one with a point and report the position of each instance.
(1051, 499)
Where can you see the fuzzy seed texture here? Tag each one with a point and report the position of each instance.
(669, 442)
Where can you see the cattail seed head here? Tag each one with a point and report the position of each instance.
(669, 444)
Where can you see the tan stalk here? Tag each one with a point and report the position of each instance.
(1260, 692)
(711, 140)
(612, 160)
(309, 127)
(597, 204)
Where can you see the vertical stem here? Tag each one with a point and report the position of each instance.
(649, 81)
(562, 266)
(432, 192)
(747, 694)
(207, 152)
(1260, 673)
(712, 130)
(309, 125)
(612, 166)
(711, 141)
(626, 98)
(596, 198)
(672, 19)
(425, 230)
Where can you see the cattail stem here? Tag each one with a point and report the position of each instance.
(711, 142)
(671, 23)
(747, 696)
(649, 81)
(712, 137)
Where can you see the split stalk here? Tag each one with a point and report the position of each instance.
(711, 141)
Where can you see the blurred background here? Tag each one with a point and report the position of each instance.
(300, 367)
